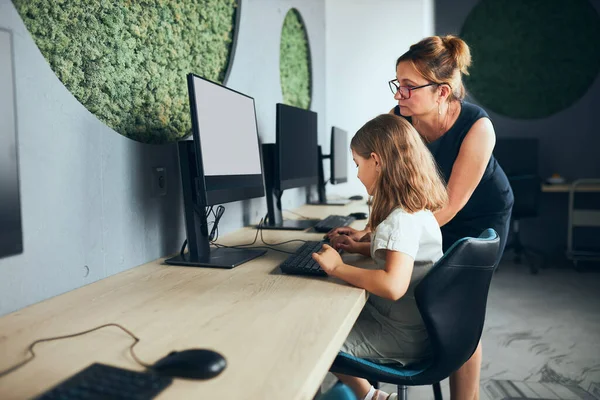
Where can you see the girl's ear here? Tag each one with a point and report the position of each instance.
(375, 157)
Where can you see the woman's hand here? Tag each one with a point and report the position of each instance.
(328, 259)
(349, 232)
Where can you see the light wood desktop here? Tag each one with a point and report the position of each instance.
(279, 333)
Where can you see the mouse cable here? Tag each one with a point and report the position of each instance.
(31, 346)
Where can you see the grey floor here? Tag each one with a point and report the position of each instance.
(541, 338)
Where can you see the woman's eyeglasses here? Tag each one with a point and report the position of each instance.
(405, 91)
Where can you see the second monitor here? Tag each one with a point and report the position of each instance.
(290, 162)
(338, 160)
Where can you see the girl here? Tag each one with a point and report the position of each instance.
(400, 173)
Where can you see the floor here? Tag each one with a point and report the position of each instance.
(541, 338)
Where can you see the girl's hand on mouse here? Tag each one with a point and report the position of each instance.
(328, 259)
(352, 233)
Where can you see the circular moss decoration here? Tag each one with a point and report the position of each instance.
(126, 61)
(533, 58)
(294, 61)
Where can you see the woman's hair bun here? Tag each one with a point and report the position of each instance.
(459, 51)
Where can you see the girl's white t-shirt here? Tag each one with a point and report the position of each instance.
(417, 235)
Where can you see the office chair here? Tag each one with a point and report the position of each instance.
(518, 157)
(452, 300)
(527, 190)
(339, 391)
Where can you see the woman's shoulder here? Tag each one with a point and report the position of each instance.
(473, 111)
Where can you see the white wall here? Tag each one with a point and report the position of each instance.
(364, 38)
(86, 195)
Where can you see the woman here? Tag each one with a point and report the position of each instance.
(460, 135)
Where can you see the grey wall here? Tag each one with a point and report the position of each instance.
(87, 194)
(569, 141)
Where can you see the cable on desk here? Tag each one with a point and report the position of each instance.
(295, 213)
(32, 345)
(214, 235)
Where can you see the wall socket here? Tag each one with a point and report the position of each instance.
(159, 181)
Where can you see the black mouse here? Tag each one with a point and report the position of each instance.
(191, 364)
(357, 197)
(358, 215)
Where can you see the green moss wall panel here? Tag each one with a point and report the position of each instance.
(295, 62)
(126, 61)
(532, 58)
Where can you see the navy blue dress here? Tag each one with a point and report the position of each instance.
(491, 203)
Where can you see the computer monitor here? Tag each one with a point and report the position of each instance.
(339, 155)
(222, 164)
(517, 155)
(11, 236)
(291, 162)
(338, 162)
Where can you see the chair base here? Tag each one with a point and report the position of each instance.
(403, 392)
(534, 258)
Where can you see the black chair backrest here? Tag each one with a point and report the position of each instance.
(452, 300)
(527, 190)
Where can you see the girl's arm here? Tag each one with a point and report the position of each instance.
(390, 283)
(473, 157)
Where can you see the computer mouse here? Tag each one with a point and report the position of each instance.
(358, 215)
(191, 364)
(357, 197)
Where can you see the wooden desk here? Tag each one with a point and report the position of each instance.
(278, 333)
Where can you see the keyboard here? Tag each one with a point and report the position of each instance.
(301, 262)
(100, 381)
(332, 222)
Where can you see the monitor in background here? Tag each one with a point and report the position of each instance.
(11, 236)
(221, 165)
(338, 161)
(290, 163)
(517, 156)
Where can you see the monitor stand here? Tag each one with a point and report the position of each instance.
(275, 218)
(274, 215)
(196, 225)
(321, 187)
(216, 258)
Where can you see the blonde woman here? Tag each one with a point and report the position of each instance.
(399, 172)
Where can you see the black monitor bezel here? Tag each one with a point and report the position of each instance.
(11, 219)
(332, 157)
(298, 182)
(231, 191)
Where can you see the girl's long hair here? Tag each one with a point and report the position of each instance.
(408, 177)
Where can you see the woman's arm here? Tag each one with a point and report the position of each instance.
(473, 156)
(390, 283)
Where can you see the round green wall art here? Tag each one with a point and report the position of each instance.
(126, 61)
(294, 62)
(532, 58)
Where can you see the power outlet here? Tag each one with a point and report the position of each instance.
(159, 181)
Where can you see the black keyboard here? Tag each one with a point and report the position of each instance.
(301, 262)
(100, 381)
(332, 222)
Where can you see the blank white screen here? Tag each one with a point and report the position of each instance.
(227, 125)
